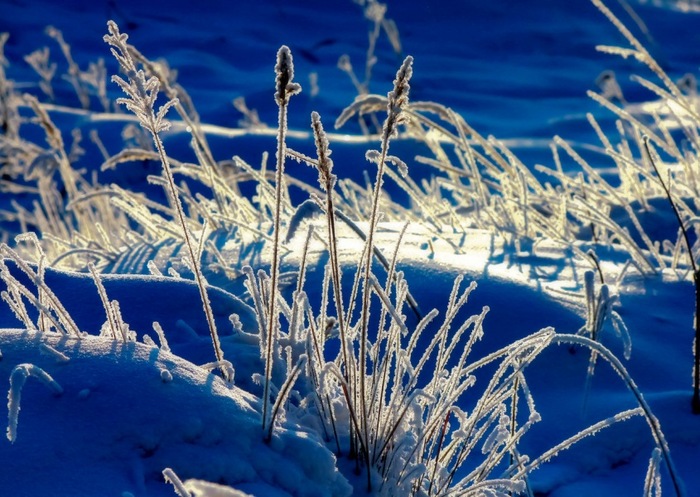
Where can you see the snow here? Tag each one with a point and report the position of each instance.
(98, 415)
(119, 422)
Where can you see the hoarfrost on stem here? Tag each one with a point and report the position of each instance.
(18, 377)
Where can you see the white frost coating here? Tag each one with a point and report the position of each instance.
(166, 376)
(161, 336)
(498, 436)
(223, 365)
(171, 477)
(48, 349)
(148, 341)
(623, 333)
(153, 269)
(241, 335)
(200, 488)
(652, 482)
(19, 375)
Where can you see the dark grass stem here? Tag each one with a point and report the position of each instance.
(695, 402)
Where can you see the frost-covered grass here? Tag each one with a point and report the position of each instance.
(227, 327)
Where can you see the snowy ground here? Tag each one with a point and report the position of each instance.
(113, 415)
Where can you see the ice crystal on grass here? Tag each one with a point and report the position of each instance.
(652, 483)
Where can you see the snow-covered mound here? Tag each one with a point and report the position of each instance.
(127, 411)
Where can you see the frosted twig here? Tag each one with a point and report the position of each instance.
(327, 181)
(161, 337)
(170, 477)
(285, 391)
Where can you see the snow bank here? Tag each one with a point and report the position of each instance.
(122, 419)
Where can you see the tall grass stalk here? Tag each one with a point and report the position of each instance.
(142, 94)
(285, 87)
(695, 402)
(397, 100)
(327, 180)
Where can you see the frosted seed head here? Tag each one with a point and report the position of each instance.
(325, 163)
(284, 71)
(112, 28)
(398, 97)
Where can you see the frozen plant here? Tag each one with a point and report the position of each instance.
(52, 313)
(285, 88)
(600, 309)
(677, 186)
(142, 93)
(199, 488)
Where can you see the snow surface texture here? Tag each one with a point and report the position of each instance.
(140, 410)
(122, 406)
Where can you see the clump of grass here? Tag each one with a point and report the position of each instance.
(684, 115)
(52, 315)
(403, 424)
